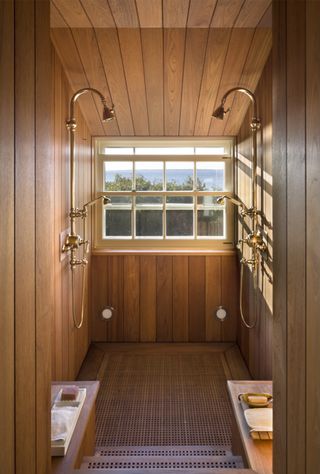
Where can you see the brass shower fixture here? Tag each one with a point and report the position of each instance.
(254, 239)
(73, 241)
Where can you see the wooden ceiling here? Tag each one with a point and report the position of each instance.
(164, 63)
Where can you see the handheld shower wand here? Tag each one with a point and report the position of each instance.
(74, 241)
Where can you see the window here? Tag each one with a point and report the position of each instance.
(163, 195)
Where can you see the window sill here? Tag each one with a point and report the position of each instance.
(200, 252)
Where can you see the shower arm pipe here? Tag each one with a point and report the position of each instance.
(255, 126)
(71, 126)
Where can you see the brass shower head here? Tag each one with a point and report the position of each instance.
(107, 114)
(219, 112)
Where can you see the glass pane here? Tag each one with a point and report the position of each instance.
(210, 176)
(180, 200)
(149, 175)
(179, 223)
(210, 223)
(209, 201)
(149, 223)
(120, 200)
(164, 150)
(212, 150)
(179, 175)
(118, 151)
(118, 223)
(149, 200)
(118, 175)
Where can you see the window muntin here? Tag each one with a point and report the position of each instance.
(167, 201)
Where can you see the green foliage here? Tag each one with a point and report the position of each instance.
(121, 183)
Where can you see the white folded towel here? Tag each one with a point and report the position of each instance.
(61, 421)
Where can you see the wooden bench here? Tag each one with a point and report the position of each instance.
(83, 440)
(256, 452)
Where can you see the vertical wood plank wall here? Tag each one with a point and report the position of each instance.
(256, 344)
(26, 187)
(69, 345)
(296, 174)
(164, 298)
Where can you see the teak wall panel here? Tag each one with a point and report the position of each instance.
(26, 284)
(148, 299)
(256, 344)
(196, 299)
(131, 303)
(164, 298)
(7, 452)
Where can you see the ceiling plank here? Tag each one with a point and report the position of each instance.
(56, 19)
(226, 13)
(251, 13)
(196, 43)
(152, 48)
(99, 13)
(200, 13)
(239, 46)
(214, 62)
(111, 57)
(266, 20)
(124, 13)
(256, 60)
(68, 54)
(150, 13)
(87, 46)
(72, 13)
(130, 44)
(175, 13)
(174, 44)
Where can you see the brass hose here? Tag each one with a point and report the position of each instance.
(247, 325)
(77, 324)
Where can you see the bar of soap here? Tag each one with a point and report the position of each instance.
(257, 399)
(69, 392)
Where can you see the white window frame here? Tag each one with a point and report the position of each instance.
(156, 243)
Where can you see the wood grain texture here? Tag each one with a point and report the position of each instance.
(108, 42)
(124, 13)
(197, 299)
(180, 296)
(150, 13)
(312, 249)
(279, 149)
(196, 43)
(148, 298)
(226, 13)
(200, 13)
(64, 44)
(163, 81)
(152, 51)
(89, 54)
(44, 192)
(215, 56)
(174, 45)
(7, 316)
(257, 56)
(25, 334)
(175, 13)
(251, 13)
(174, 297)
(164, 299)
(213, 298)
(131, 298)
(130, 44)
(99, 13)
(72, 13)
(236, 56)
(230, 284)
